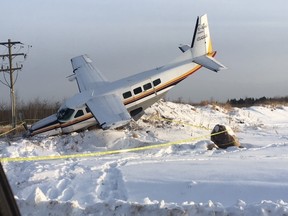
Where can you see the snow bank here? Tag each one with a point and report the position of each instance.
(154, 208)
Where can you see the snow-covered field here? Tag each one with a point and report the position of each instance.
(181, 179)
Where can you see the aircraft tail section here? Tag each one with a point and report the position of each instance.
(201, 47)
(201, 42)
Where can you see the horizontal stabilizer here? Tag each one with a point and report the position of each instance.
(209, 63)
(184, 47)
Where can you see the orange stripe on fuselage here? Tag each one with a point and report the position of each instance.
(45, 129)
(167, 84)
(62, 125)
(162, 86)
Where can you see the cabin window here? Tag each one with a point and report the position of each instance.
(137, 90)
(65, 114)
(156, 82)
(147, 86)
(127, 94)
(79, 113)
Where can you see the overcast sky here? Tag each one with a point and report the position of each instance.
(124, 37)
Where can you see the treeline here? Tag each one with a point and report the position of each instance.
(28, 111)
(242, 102)
(248, 101)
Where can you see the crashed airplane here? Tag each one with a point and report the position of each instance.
(110, 105)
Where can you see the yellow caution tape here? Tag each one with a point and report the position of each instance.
(97, 154)
(12, 129)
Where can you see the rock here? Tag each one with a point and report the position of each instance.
(224, 137)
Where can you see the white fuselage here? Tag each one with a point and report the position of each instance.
(138, 92)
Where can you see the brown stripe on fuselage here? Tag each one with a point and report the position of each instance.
(165, 85)
(77, 120)
(45, 129)
(162, 86)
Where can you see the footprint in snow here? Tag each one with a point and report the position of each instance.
(111, 183)
(62, 184)
(67, 194)
(53, 193)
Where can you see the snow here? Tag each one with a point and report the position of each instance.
(181, 179)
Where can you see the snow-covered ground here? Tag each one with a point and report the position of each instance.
(181, 179)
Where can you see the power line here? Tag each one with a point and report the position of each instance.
(10, 70)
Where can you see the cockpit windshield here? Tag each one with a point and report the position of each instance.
(65, 114)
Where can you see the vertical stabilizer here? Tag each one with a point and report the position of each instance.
(201, 42)
(201, 46)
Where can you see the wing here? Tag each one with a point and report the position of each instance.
(86, 75)
(109, 111)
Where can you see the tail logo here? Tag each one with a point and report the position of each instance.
(202, 27)
(202, 37)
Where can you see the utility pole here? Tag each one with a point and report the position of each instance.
(10, 69)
